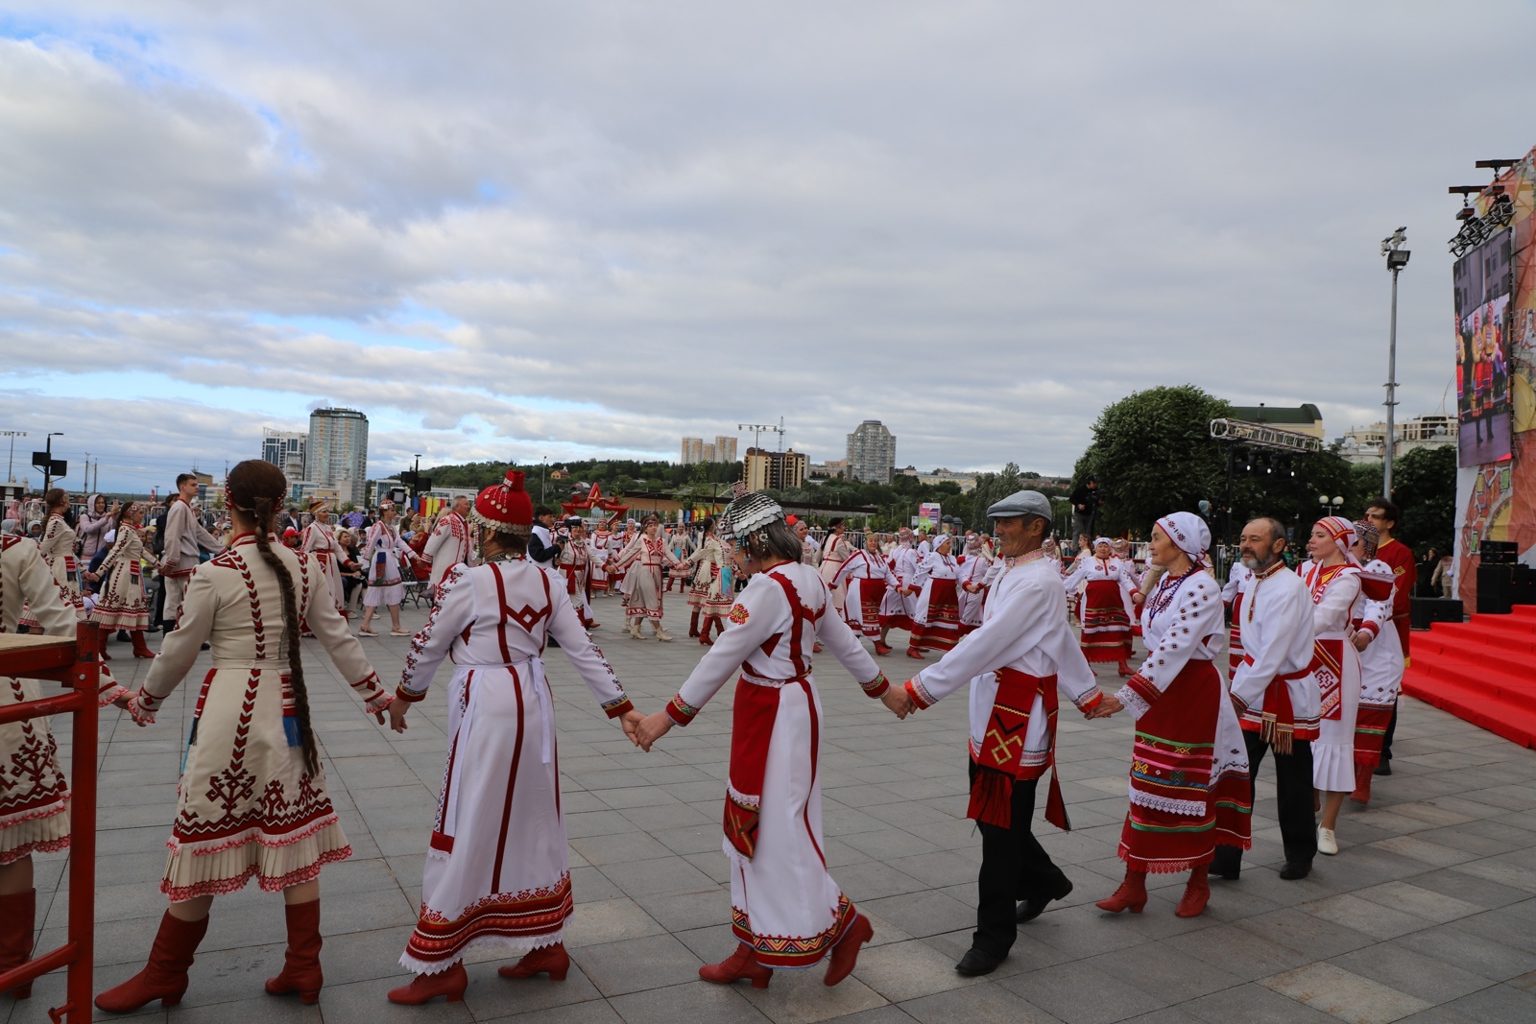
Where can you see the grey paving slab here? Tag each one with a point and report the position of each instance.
(1427, 914)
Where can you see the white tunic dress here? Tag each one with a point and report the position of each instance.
(784, 904)
(1336, 664)
(247, 807)
(498, 869)
(382, 551)
(320, 541)
(34, 795)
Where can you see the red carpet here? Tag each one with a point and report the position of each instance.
(1480, 671)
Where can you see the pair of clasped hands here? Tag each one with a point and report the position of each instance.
(901, 704)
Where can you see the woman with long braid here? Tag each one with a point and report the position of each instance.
(253, 800)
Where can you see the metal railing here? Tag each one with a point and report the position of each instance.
(76, 664)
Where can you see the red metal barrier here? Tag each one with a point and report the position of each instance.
(76, 664)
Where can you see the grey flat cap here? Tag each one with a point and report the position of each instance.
(1022, 503)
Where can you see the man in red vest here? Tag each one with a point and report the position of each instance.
(1384, 515)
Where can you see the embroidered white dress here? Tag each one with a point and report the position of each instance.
(122, 604)
(320, 541)
(34, 794)
(449, 545)
(1381, 667)
(862, 575)
(246, 806)
(382, 551)
(57, 549)
(1336, 664)
(498, 869)
(641, 562)
(784, 904)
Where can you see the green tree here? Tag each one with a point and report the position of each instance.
(1424, 487)
(990, 489)
(1153, 454)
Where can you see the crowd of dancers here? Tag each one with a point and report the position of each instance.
(1315, 659)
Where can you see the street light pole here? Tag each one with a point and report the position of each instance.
(48, 471)
(10, 469)
(1397, 259)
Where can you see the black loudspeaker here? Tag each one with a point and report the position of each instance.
(1424, 610)
(1522, 586)
(1498, 552)
(1495, 588)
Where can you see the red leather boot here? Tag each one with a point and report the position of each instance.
(551, 960)
(140, 648)
(427, 987)
(1196, 894)
(301, 963)
(1132, 894)
(18, 915)
(165, 976)
(1363, 774)
(740, 964)
(845, 955)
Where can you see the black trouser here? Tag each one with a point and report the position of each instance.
(1386, 742)
(1014, 867)
(1293, 787)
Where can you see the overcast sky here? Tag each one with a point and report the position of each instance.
(508, 230)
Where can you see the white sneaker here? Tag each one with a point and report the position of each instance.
(1327, 842)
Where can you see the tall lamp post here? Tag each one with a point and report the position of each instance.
(1397, 259)
(10, 469)
(48, 469)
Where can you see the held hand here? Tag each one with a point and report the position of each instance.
(899, 701)
(630, 721)
(1106, 707)
(1138, 597)
(1363, 639)
(397, 712)
(652, 728)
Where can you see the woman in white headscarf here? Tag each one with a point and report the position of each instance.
(1189, 766)
(1334, 577)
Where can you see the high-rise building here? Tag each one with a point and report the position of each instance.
(871, 453)
(708, 453)
(336, 454)
(763, 470)
(285, 450)
(693, 450)
(725, 448)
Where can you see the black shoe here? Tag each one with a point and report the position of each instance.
(976, 963)
(1295, 869)
(552, 642)
(209, 647)
(1229, 874)
(1385, 768)
(1031, 909)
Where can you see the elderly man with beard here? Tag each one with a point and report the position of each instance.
(1275, 693)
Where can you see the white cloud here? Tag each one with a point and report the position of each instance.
(596, 227)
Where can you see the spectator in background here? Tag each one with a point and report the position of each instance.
(1443, 578)
(350, 564)
(95, 524)
(1085, 506)
(1425, 584)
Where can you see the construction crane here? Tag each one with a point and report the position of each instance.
(759, 429)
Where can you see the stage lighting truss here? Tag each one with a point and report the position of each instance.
(1476, 230)
(1264, 436)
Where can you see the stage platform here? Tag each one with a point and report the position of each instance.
(1480, 671)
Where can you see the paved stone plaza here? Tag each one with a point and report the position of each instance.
(1427, 914)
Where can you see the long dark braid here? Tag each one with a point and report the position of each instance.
(257, 488)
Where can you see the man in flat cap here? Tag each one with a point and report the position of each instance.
(1016, 661)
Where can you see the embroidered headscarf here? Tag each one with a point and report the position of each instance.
(1343, 533)
(1189, 533)
(1368, 536)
